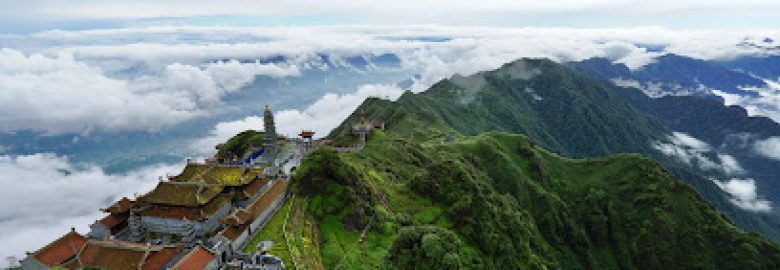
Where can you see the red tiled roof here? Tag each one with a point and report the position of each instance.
(61, 249)
(176, 212)
(112, 258)
(259, 205)
(306, 133)
(119, 255)
(254, 186)
(156, 260)
(231, 232)
(121, 206)
(197, 259)
(254, 209)
(237, 217)
(112, 220)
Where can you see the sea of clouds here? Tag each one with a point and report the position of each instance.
(699, 154)
(44, 195)
(149, 78)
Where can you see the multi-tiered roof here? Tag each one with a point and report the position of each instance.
(200, 190)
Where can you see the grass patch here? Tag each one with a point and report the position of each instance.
(273, 231)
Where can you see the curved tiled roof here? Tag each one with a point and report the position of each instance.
(177, 212)
(119, 255)
(121, 206)
(112, 220)
(217, 175)
(196, 259)
(214, 205)
(183, 194)
(241, 221)
(158, 259)
(62, 249)
(254, 186)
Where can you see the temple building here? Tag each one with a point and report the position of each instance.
(306, 140)
(189, 205)
(119, 255)
(363, 129)
(115, 222)
(74, 251)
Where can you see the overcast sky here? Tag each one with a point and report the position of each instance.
(36, 15)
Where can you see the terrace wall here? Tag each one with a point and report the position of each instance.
(259, 222)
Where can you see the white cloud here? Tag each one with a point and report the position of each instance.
(769, 147)
(766, 103)
(224, 131)
(696, 153)
(743, 194)
(730, 165)
(681, 138)
(330, 110)
(322, 116)
(45, 195)
(493, 46)
(148, 78)
(61, 94)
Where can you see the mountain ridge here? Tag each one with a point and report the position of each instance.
(439, 114)
(445, 169)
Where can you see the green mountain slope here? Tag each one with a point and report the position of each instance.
(448, 186)
(496, 201)
(566, 111)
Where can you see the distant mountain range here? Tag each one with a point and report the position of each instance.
(764, 67)
(729, 128)
(676, 75)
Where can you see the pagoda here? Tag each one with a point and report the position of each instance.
(270, 142)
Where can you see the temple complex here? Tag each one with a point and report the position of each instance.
(199, 219)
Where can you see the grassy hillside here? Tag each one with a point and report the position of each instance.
(449, 185)
(497, 201)
(564, 110)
